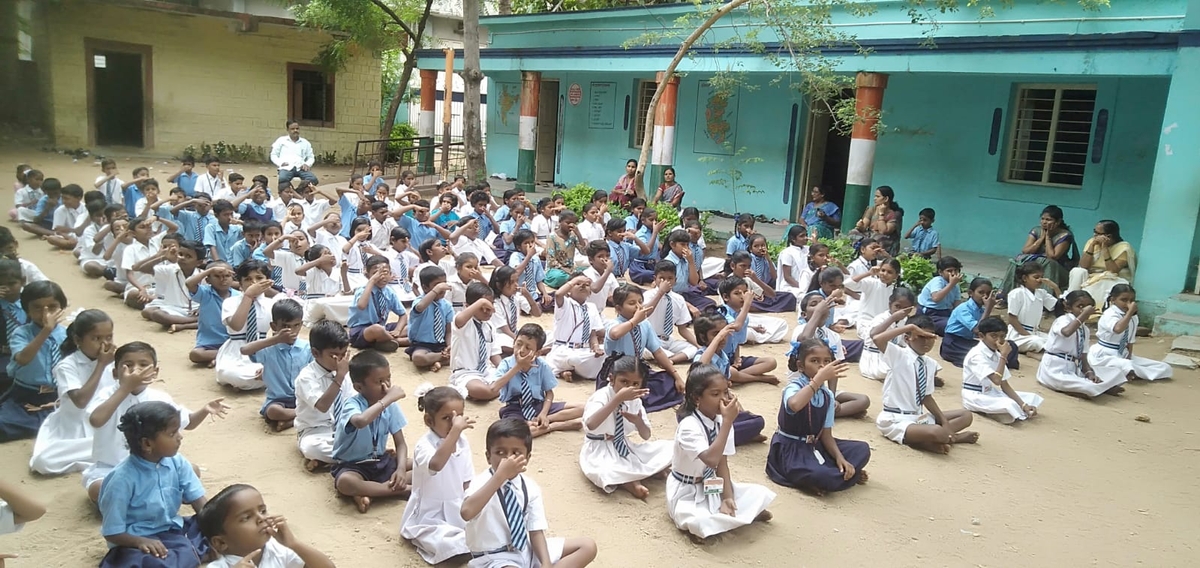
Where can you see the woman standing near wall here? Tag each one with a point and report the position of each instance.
(624, 190)
(821, 215)
(882, 220)
(1107, 260)
(1052, 245)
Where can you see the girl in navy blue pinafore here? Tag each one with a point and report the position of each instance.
(804, 454)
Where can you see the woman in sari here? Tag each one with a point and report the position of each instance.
(821, 215)
(882, 221)
(624, 190)
(670, 191)
(1107, 260)
(1052, 245)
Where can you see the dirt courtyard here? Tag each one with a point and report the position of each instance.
(1082, 484)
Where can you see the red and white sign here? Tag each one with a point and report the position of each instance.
(574, 94)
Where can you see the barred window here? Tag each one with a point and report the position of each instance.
(1051, 130)
(645, 92)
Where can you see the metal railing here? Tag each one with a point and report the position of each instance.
(431, 161)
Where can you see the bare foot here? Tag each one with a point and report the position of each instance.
(941, 449)
(862, 476)
(212, 364)
(758, 439)
(1115, 390)
(567, 376)
(770, 379)
(312, 466)
(281, 425)
(965, 437)
(171, 328)
(938, 382)
(636, 489)
(764, 517)
(435, 367)
(363, 503)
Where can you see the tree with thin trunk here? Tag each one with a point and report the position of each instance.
(472, 78)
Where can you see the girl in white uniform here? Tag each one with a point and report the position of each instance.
(442, 468)
(1065, 366)
(323, 297)
(511, 301)
(985, 386)
(247, 318)
(702, 499)
(793, 271)
(355, 253)
(869, 253)
(1115, 335)
(64, 441)
(287, 254)
(873, 365)
(1025, 305)
(875, 288)
(607, 458)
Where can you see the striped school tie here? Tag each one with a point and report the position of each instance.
(439, 324)
(712, 437)
(619, 269)
(636, 333)
(1080, 346)
(922, 381)
(620, 442)
(587, 325)
(403, 277)
(381, 305)
(251, 332)
(55, 353)
(511, 314)
(528, 403)
(1125, 341)
(482, 351)
(824, 337)
(365, 257)
(277, 275)
(527, 277)
(668, 317)
(515, 515)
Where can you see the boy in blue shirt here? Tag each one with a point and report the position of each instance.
(373, 304)
(939, 296)
(194, 222)
(220, 237)
(417, 224)
(210, 330)
(282, 356)
(528, 387)
(736, 311)
(530, 273)
(42, 224)
(185, 178)
(429, 328)
(243, 250)
(363, 468)
(689, 283)
(623, 246)
(925, 240)
(132, 192)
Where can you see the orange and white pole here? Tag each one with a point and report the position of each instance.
(425, 121)
(662, 152)
(531, 86)
(868, 103)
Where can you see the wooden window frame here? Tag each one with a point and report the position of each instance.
(641, 87)
(293, 113)
(1011, 150)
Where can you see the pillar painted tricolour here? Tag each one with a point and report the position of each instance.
(531, 82)
(868, 103)
(425, 122)
(662, 151)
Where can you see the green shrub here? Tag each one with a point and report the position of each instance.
(578, 197)
(227, 152)
(842, 249)
(709, 234)
(916, 271)
(616, 211)
(665, 213)
(774, 248)
(402, 139)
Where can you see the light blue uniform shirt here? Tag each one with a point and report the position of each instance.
(36, 374)
(210, 330)
(143, 498)
(819, 400)
(681, 273)
(419, 232)
(187, 182)
(534, 272)
(238, 253)
(624, 345)
(371, 183)
(192, 225)
(924, 240)
(736, 243)
(485, 224)
(349, 213)
(501, 214)
(371, 315)
(621, 254)
(420, 324)
(646, 234)
(737, 338)
(540, 378)
(44, 201)
(964, 318)
(223, 240)
(281, 363)
(719, 360)
(925, 298)
(131, 195)
(352, 445)
(509, 226)
(631, 223)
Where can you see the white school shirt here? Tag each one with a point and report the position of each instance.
(111, 190)
(108, 443)
(978, 366)
(793, 261)
(314, 211)
(595, 403)
(331, 241)
(590, 231)
(30, 272)
(70, 374)
(214, 186)
(134, 253)
(318, 283)
(88, 240)
(900, 386)
(311, 383)
(274, 555)
(287, 262)
(28, 196)
(489, 529)
(262, 306)
(508, 310)
(874, 296)
(381, 233)
(464, 345)
(568, 322)
(446, 264)
(1069, 345)
(691, 439)
(1105, 328)
(1028, 306)
(478, 247)
(657, 318)
(399, 280)
(279, 208)
(139, 206)
(437, 495)
(541, 227)
(600, 299)
(118, 257)
(458, 291)
(170, 285)
(71, 218)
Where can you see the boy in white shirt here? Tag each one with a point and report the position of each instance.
(600, 273)
(139, 289)
(471, 336)
(210, 182)
(466, 239)
(321, 387)
(577, 351)
(70, 218)
(381, 225)
(314, 207)
(172, 306)
(670, 314)
(90, 252)
(506, 519)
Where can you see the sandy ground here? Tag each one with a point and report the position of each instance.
(1082, 484)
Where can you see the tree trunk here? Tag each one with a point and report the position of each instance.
(472, 77)
(648, 135)
(410, 62)
(505, 7)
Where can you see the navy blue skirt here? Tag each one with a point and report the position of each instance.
(641, 271)
(513, 408)
(939, 317)
(955, 347)
(746, 427)
(185, 548)
(17, 423)
(697, 298)
(793, 463)
(781, 303)
(853, 349)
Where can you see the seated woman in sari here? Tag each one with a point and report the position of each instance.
(624, 190)
(824, 216)
(670, 191)
(882, 221)
(1107, 260)
(1052, 245)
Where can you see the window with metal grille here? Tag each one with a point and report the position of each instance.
(1051, 130)
(645, 92)
(310, 95)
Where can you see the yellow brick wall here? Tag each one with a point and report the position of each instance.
(210, 81)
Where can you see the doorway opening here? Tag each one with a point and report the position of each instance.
(824, 157)
(547, 132)
(119, 92)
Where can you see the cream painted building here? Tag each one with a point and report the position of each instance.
(164, 75)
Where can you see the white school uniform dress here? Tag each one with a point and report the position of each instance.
(980, 394)
(508, 310)
(541, 227)
(458, 291)
(873, 300)
(108, 443)
(30, 272)
(600, 299)
(381, 233)
(599, 458)
(687, 504)
(466, 345)
(901, 406)
(314, 429)
(314, 211)
(324, 299)
(134, 253)
(793, 261)
(478, 247)
(1112, 349)
(851, 310)
(488, 533)
(431, 517)
(64, 441)
(355, 263)
(233, 368)
(1061, 370)
(402, 263)
(872, 364)
(274, 555)
(1028, 306)
(87, 241)
(287, 262)
(666, 330)
(171, 292)
(573, 328)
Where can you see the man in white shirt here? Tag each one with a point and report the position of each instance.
(293, 156)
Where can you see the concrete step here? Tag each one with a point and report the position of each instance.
(1173, 323)
(1184, 304)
